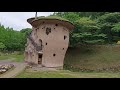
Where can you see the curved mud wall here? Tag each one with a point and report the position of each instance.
(55, 40)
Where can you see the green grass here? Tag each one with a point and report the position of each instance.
(66, 74)
(44, 74)
(86, 62)
(53, 17)
(14, 57)
(93, 58)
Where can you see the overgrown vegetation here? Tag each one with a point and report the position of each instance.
(12, 40)
(90, 28)
(93, 58)
(93, 27)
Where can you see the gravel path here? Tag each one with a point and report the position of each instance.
(19, 67)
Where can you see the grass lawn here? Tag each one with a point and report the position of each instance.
(14, 57)
(90, 60)
(66, 74)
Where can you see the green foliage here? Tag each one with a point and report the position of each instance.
(25, 33)
(88, 38)
(71, 16)
(109, 24)
(110, 18)
(87, 32)
(86, 24)
(91, 15)
(2, 46)
(116, 27)
(12, 40)
(90, 28)
(26, 30)
(91, 25)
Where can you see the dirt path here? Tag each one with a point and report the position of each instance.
(19, 67)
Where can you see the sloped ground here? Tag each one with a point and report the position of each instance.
(93, 58)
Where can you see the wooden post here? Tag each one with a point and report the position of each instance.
(36, 15)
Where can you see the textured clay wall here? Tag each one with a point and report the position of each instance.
(30, 55)
(55, 44)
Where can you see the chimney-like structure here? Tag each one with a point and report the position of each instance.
(48, 42)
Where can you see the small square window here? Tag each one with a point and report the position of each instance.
(56, 24)
(65, 37)
(54, 55)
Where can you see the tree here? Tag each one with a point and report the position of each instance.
(11, 39)
(91, 15)
(71, 16)
(108, 24)
(86, 29)
(2, 46)
(116, 27)
(26, 30)
(87, 32)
